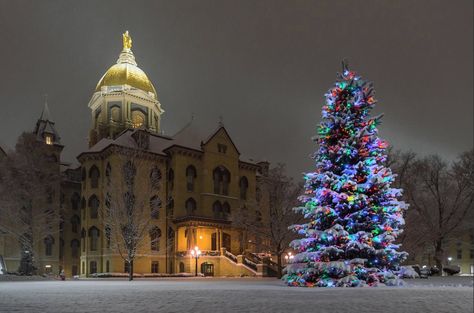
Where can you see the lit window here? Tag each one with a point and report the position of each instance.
(49, 139)
(137, 119)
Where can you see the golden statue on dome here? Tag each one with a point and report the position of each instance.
(127, 41)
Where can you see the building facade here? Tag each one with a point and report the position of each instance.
(201, 186)
(204, 183)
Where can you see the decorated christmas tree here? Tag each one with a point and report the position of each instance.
(353, 215)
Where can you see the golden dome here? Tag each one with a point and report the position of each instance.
(126, 71)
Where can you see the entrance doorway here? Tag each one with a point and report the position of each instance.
(207, 269)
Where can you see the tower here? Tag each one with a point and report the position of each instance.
(124, 98)
(45, 130)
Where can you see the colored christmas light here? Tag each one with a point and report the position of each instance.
(353, 214)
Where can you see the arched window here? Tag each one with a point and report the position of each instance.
(75, 200)
(108, 173)
(93, 206)
(170, 207)
(94, 238)
(108, 234)
(48, 245)
(92, 267)
(217, 209)
(83, 240)
(75, 223)
(129, 172)
(155, 206)
(155, 235)
(225, 210)
(155, 178)
(190, 177)
(181, 267)
(75, 245)
(244, 185)
(138, 119)
(190, 206)
(171, 179)
(94, 176)
(221, 177)
(115, 114)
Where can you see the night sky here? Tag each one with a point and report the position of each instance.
(263, 65)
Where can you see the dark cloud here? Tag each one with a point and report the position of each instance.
(263, 65)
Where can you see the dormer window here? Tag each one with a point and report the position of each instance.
(48, 139)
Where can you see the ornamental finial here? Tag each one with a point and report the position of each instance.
(127, 41)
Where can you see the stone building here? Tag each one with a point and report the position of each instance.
(205, 182)
(204, 186)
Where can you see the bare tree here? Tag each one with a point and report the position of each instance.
(29, 190)
(280, 196)
(130, 206)
(441, 197)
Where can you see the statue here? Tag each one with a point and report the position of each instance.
(127, 41)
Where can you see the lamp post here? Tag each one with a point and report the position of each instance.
(449, 260)
(289, 257)
(196, 253)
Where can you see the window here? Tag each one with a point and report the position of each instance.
(48, 139)
(108, 172)
(155, 206)
(225, 210)
(94, 176)
(75, 223)
(92, 267)
(155, 235)
(94, 238)
(258, 216)
(48, 245)
(115, 114)
(75, 245)
(221, 177)
(190, 206)
(138, 119)
(155, 178)
(171, 179)
(170, 207)
(83, 208)
(83, 240)
(244, 185)
(181, 267)
(459, 254)
(126, 267)
(129, 172)
(83, 267)
(190, 177)
(93, 206)
(217, 210)
(154, 266)
(108, 234)
(75, 200)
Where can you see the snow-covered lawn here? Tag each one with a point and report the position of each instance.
(215, 295)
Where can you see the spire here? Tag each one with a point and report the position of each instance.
(45, 115)
(45, 130)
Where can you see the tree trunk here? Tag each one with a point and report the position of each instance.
(130, 270)
(280, 267)
(439, 255)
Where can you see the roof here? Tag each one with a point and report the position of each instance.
(188, 137)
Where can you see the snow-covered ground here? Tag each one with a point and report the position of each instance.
(215, 295)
